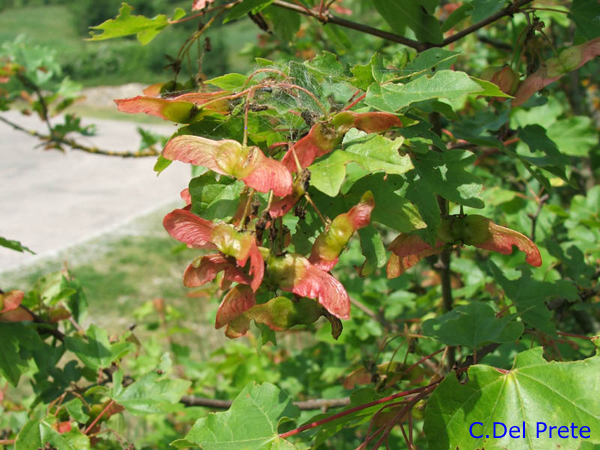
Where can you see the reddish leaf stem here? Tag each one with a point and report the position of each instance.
(424, 358)
(308, 426)
(359, 99)
(106, 408)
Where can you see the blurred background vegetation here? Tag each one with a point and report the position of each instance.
(63, 26)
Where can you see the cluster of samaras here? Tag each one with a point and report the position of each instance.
(240, 253)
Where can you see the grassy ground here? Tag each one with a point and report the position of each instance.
(122, 271)
(120, 61)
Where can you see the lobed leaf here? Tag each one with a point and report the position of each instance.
(125, 24)
(533, 391)
(250, 423)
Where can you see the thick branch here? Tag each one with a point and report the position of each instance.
(77, 146)
(324, 403)
(327, 17)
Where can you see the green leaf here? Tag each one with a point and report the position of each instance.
(328, 65)
(372, 249)
(412, 13)
(179, 13)
(161, 164)
(150, 394)
(229, 82)
(530, 296)
(533, 391)
(446, 175)
(97, 352)
(392, 209)
(482, 9)
(421, 194)
(285, 23)
(438, 58)
(125, 25)
(489, 89)
(11, 365)
(372, 152)
(75, 409)
(586, 15)
(243, 8)
(574, 136)
(536, 138)
(250, 424)
(444, 84)
(457, 16)
(14, 245)
(327, 174)
(37, 433)
(473, 325)
(215, 199)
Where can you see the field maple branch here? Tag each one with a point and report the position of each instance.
(326, 17)
(508, 11)
(77, 146)
(323, 403)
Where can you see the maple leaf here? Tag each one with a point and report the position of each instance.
(228, 157)
(200, 233)
(331, 242)
(476, 230)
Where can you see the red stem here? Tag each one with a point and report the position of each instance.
(579, 336)
(359, 99)
(308, 426)
(87, 430)
(424, 358)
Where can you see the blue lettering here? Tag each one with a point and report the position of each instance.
(516, 430)
(561, 431)
(503, 426)
(471, 430)
(538, 431)
(584, 430)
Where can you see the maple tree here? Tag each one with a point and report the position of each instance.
(385, 193)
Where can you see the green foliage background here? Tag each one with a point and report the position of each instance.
(530, 330)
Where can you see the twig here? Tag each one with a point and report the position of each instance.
(87, 430)
(77, 146)
(44, 107)
(49, 327)
(324, 403)
(327, 17)
(578, 336)
(204, 12)
(7, 441)
(534, 217)
(495, 43)
(508, 11)
(308, 426)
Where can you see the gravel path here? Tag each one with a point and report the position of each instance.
(51, 200)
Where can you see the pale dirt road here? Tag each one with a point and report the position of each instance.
(51, 200)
